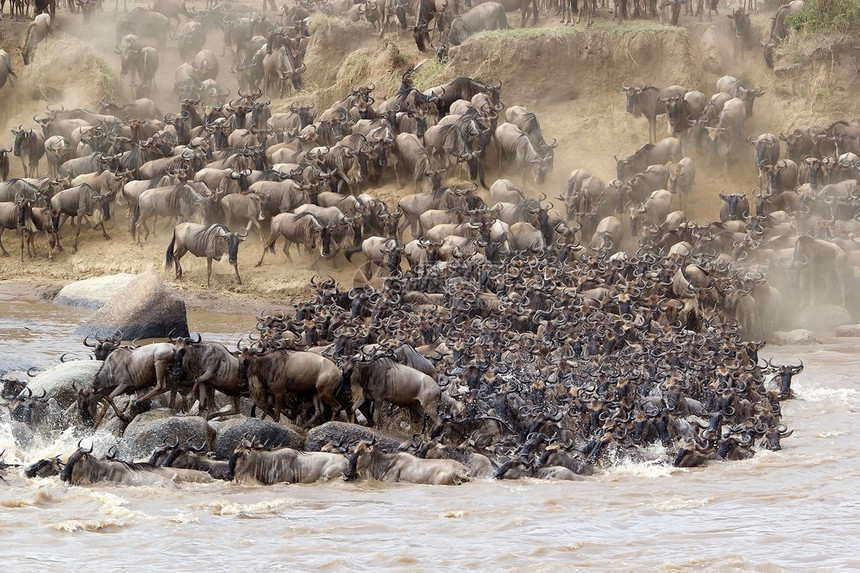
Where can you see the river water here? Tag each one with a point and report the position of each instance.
(797, 508)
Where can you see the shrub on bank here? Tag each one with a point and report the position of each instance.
(823, 16)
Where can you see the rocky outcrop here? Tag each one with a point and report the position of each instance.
(144, 308)
(150, 429)
(229, 433)
(343, 433)
(93, 293)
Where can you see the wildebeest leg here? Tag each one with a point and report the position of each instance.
(208, 270)
(287, 249)
(77, 233)
(104, 231)
(2, 248)
(177, 254)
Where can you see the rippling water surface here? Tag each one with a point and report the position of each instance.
(797, 508)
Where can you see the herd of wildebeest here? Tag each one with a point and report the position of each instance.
(526, 341)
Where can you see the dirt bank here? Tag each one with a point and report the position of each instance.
(569, 75)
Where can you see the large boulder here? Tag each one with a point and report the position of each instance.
(63, 381)
(848, 330)
(150, 429)
(799, 336)
(144, 308)
(229, 433)
(343, 433)
(93, 293)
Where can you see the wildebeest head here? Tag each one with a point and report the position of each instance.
(44, 468)
(232, 240)
(633, 95)
(103, 347)
(785, 373)
(422, 36)
(765, 147)
(78, 465)
(748, 96)
(773, 435)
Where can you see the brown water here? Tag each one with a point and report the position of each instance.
(793, 509)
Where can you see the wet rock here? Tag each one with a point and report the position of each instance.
(144, 308)
(93, 293)
(150, 429)
(228, 433)
(823, 317)
(65, 380)
(348, 434)
(848, 330)
(798, 336)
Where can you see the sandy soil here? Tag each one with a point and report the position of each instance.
(571, 79)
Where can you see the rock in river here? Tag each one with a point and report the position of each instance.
(144, 308)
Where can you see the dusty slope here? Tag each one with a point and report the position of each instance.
(569, 76)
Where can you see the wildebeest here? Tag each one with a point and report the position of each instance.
(486, 16)
(210, 241)
(380, 377)
(77, 202)
(6, 72)
(126, 371)
(144, 24)
(607, 235)
(241, 207)
(302, 229)
(209, 366)
(16, 215)
(250, 465)
(660, 153)
(30, 147)
(280, 74)
(766, 154)
(736, 88)
(37, 31)
(170, 201)
(191, 37)
(188, 457)
(83, 469)
(819, 264)
(272, 375)
(681, 178)
(741, 26)
(427, 12)
(643, 101)
(368, 462)
(461, 88)
(779, 29)
(383, 252)
(414, 158)
(528, 123)
(735, 207)
(515, 149)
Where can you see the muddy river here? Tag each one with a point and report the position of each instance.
(797, 508)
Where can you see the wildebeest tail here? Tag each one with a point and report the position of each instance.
(168, 259)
